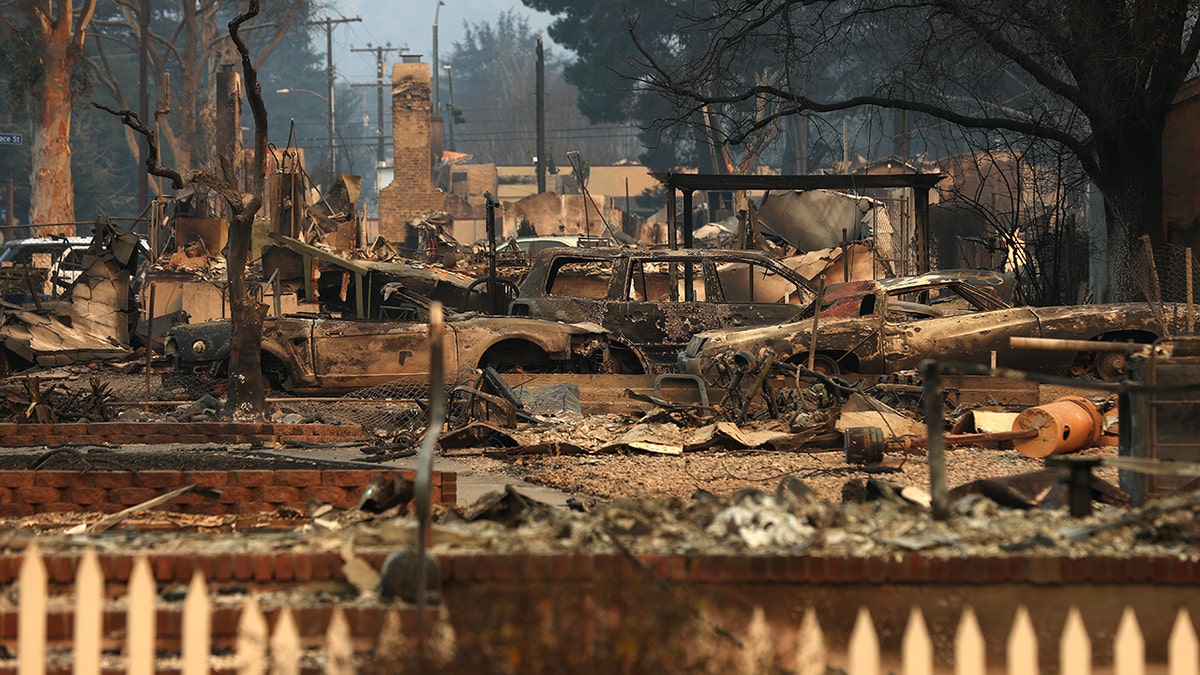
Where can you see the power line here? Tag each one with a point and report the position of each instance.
(328, 23)
(381, 155)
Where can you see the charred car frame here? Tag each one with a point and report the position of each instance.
(884, 326)
(311, 353)
(652, 302)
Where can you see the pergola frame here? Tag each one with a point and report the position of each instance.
(919, 183)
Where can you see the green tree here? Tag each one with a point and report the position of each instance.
(599, 36)
(1096, 78)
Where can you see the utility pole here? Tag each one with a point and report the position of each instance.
(380, 154)
(541, 118)
(143, 96)
(10, 217)
(451, 114)
(433, 94)
(329, 23)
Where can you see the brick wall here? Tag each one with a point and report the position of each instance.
(411, 192)
(25, 493)
(126, 433)
(720, 570)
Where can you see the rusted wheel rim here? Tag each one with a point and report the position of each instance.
(825, 365)
(1111, 365)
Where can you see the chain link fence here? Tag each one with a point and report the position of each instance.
(389, 412)
(385, 411)
(1164, 276)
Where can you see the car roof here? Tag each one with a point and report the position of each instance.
(982, 282)
(46, 241)
(604, 253)
(981, 278)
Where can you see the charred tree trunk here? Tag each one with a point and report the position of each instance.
(247, 399)
(246, 394)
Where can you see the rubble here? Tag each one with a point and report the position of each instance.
(783, 520)
(90, 322)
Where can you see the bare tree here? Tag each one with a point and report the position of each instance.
(1020, 201)
(1096, 78)
(188, 42)
(50, 36)
(246, 395)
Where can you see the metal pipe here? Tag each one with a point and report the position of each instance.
(540, 96)
(437, 10)
(422, 491)
(672, 211)
(149, 337)
(1191, 312)
(812, 349)
(931, 373)
(491, 204)
(450, 108)
(1066, 345)
(845, 255)
(688, 234)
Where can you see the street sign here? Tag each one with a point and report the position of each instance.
(10, 139)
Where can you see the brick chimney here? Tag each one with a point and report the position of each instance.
(411, 192)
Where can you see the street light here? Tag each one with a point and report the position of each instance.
(437, 10)
(450, 105)
(332, 147)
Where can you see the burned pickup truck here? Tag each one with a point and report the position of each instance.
(310, 353)
(881, 327)
(652, 302)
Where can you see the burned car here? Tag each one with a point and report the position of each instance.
(652, 302)
(311, 353)
(881, 327)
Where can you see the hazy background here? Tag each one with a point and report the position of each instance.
(410, 24)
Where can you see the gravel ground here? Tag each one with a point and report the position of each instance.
(637, 476)
(603, 470)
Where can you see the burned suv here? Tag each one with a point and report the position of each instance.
(652, 302)
(309, 353)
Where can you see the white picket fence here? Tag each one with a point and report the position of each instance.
(281, 651)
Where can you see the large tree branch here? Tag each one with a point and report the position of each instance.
(257, 107)
(968, 14)
(10, 32)
(41, 17)
(131, 120)
(86, 12)
(800, 104)
(690, 99)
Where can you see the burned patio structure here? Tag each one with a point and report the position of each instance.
(920, 184)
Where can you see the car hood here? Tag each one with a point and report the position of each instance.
(210, 341)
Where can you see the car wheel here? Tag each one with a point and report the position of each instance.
(625, 361)
(1110, 366)
(518, 356)
(822, 363)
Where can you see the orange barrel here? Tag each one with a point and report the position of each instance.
(1065, 425)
